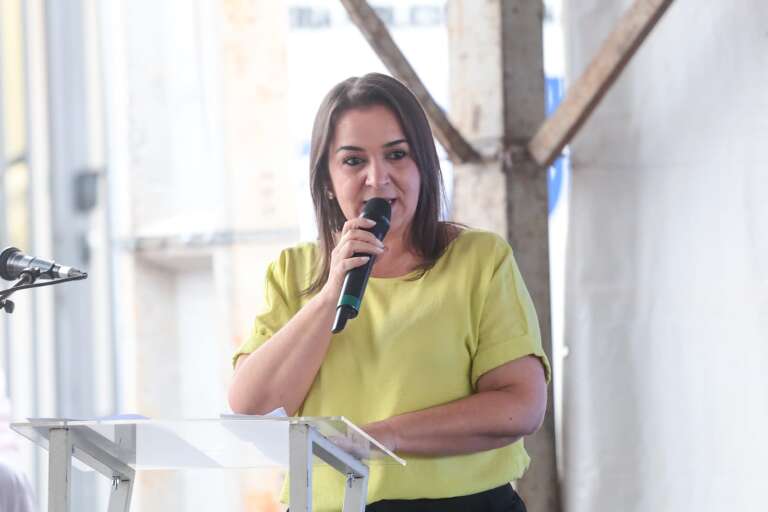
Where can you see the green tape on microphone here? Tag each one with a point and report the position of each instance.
(351, 301)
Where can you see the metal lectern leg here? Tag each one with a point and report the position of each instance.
(355, 493)
(59, 469)
(122, 478)
(300, 467)
(304, 442)
(356, 472)
(120, 497)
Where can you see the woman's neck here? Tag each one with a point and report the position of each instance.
(397, 260)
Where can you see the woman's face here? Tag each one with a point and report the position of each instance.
(369, 157)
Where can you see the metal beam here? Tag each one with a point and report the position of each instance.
(5, 329)
(69, 148)
(587, 91)
(381, 41)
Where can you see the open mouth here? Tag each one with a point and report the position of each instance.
(391, 201)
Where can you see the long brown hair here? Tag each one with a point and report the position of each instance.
(428, 236)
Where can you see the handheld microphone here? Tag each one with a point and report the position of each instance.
(13, 262)
(352, 290)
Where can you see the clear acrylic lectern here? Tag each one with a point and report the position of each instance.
(118, 448)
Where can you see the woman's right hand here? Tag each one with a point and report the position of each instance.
(353, 239)
(280, 372)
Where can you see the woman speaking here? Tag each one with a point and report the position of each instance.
(443, 364)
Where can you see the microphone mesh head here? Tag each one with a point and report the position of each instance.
(377, 209)
(5, 273)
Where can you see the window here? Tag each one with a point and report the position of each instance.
(308, 17)
(426, 15)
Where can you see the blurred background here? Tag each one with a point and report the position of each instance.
(163, 147)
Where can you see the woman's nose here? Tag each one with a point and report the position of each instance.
(378, 174)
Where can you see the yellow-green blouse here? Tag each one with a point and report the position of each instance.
(416, 343)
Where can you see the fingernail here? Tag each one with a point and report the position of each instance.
(370, 221)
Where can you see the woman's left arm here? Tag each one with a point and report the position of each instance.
(509, 403)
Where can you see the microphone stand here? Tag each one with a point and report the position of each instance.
(27, 279)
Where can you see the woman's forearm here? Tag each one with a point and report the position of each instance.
(281, 371)
(482, 421)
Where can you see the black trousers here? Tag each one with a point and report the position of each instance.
(500, 499)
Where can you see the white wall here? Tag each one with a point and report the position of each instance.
(666, 394)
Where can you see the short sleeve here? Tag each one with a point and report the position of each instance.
(277, 312)
(509, 327)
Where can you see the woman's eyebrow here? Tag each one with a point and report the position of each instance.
(394, 143)
(349, 148)
(357, 148)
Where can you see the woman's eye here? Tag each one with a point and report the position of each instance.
(352, 160)
(397, 155)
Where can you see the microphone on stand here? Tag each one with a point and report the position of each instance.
(13, 262)
(351, 296)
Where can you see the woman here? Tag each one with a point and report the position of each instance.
(444, 362)
(15, 490)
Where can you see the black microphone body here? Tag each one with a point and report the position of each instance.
(13, 262)
(351, 296)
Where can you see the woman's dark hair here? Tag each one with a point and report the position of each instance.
(428, 236)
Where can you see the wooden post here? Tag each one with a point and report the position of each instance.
(512, 189)
(377, 35)
(587, 91)
(527, 214)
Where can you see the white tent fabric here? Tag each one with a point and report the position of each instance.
(666, 378)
